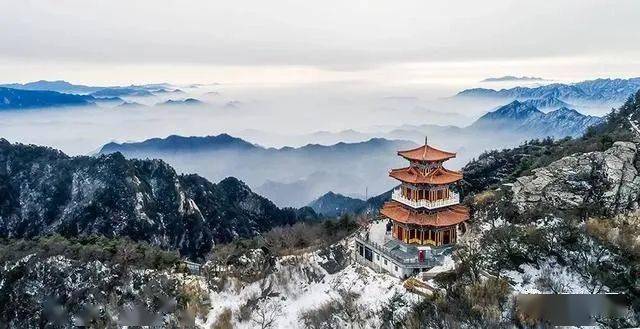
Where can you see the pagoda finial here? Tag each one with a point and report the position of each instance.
(424, 154)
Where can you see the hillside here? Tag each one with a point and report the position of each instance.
(43, 191)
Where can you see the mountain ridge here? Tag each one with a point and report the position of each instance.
(524, 118)
(45, 191)
(17, 99)
(597, 90)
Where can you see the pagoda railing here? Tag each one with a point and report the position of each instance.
(454, 198)
(409, 262)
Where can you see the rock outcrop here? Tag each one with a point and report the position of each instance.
(607, 179)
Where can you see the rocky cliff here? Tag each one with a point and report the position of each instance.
(606, 179)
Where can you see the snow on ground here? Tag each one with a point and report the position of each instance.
(563, 279)
(300, 284)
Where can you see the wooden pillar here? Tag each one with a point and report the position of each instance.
(405, 233)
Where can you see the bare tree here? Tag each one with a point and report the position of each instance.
(265, 316)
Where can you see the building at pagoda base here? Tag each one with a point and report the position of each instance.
(422, 219)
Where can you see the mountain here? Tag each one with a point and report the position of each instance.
(525, 119)
(503, 166)
(58, 86)
(121, 91)
(62, 86)
(44, 191)
(288, 176)
(512, 78)
(27, 99)
(547, 103)
(131, 105)
(612, 91)
(188, 102)
(180, 144)
(334, 205)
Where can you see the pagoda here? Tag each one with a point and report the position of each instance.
(425, 209)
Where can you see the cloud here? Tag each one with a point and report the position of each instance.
(330, 34)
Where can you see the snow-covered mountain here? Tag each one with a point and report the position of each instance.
(524, 118)
(550, 103)
(598, 91)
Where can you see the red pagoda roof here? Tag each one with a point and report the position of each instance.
(436, 176)
(426, 153)
(445, 217)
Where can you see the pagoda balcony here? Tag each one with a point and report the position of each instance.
(453, 199)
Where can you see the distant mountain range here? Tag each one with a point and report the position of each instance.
(296, 176)
(333, 205)
(599, 91)
(96, 91)
(187, 101)
(58, 86)
(525, 119)
(29, 99)
(288, 176)
(121, 91)
(43, 94)
(43, 191)
(512, 78)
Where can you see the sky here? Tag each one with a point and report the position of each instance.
(280, 42)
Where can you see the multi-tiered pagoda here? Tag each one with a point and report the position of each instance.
(423, 215)
(425, 208)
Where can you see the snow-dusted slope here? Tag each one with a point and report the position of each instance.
(301, 287)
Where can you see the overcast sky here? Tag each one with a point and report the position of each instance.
(134, 41)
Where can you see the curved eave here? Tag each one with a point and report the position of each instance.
(448, 216)
(439, 176)
(426, 153)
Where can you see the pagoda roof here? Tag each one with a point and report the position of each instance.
(451, 215)
(437, 176)
(426, 153)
